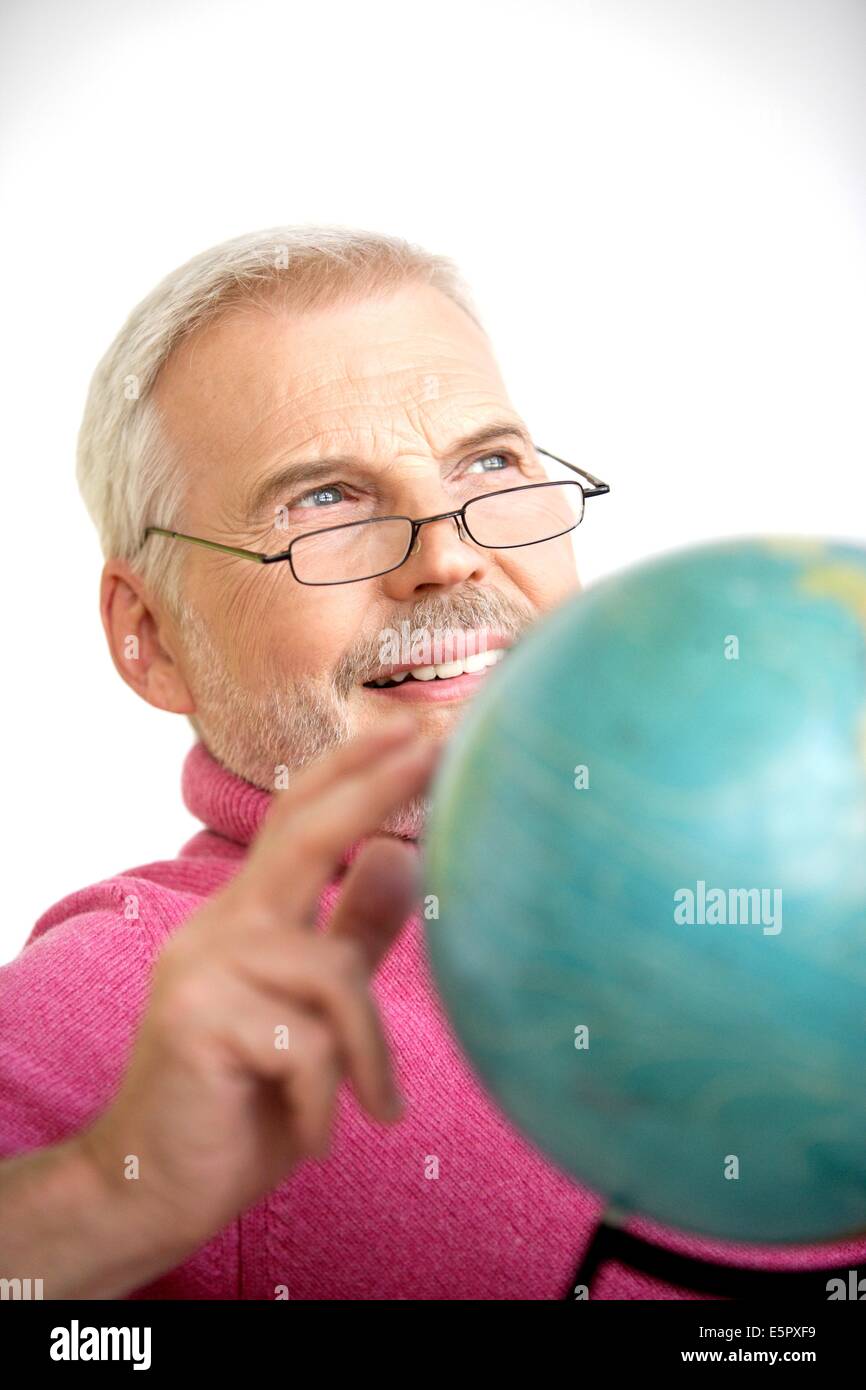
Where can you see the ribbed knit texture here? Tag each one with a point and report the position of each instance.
(370, 1220)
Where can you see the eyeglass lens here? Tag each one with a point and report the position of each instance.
(521, 516)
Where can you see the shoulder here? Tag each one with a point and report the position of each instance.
(136, 910)
(71, 1000)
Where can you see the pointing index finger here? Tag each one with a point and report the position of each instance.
(302, 852)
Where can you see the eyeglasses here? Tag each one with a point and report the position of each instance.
(356, 550)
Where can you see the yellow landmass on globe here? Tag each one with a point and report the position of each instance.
(847, 585)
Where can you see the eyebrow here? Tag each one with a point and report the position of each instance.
(320, 470)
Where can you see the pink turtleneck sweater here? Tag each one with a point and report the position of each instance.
(498, 1222)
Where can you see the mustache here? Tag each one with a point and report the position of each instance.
(475, 608)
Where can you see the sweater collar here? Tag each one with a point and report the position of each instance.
(229, 805)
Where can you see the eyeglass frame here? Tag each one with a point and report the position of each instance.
(598, 489)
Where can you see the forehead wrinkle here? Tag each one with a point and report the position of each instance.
(332, 426)
(419, 373)
(341, 370)
(386, 437)
(443, 405)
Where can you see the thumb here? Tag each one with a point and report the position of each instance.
(380, 890)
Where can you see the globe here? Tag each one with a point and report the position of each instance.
(645, 888)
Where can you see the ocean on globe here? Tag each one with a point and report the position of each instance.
(645, 888)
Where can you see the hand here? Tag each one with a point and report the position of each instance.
(215, 1110)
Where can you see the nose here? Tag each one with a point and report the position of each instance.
(458, 522)
(442, 557)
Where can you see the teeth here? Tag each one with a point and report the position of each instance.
(478, 662)
(447, 670)
(384, 680)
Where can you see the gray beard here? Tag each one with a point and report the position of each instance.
(254, 734)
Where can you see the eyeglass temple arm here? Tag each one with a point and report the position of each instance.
(209, 545)
(598, 487)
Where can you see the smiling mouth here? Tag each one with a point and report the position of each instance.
(447, 671)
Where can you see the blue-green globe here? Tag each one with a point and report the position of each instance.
(645, 889)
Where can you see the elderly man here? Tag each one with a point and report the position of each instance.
(227, 1075)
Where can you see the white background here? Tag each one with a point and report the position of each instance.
(659, 204)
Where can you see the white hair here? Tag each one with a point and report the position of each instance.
(129, 473)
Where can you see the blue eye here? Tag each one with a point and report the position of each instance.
(505, 458)
(329, 490)
(330, 495)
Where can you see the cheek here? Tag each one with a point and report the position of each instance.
(546, 573)
(256, 620)
(304, 633)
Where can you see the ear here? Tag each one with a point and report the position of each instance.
(140, 640)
